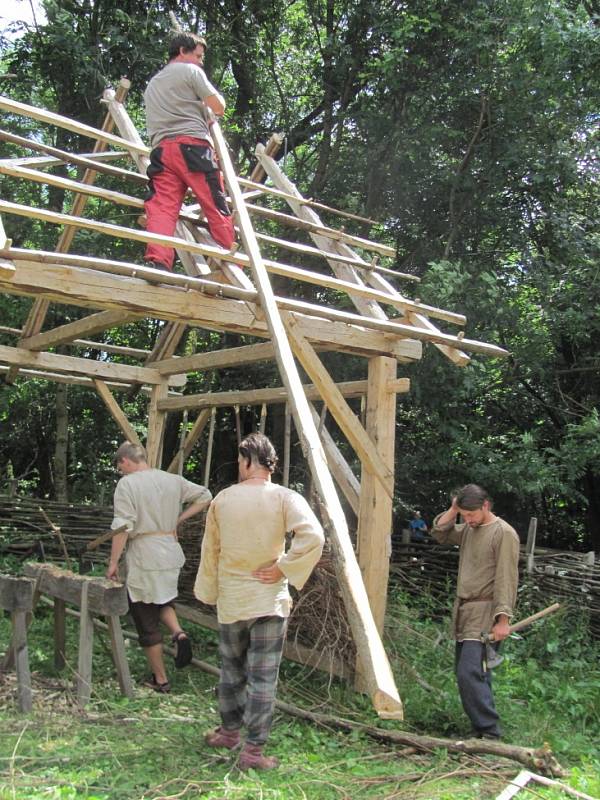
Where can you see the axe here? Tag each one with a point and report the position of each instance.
(493, 658)
(84, 562)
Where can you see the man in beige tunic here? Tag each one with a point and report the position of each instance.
(149, 502)
(245, 571)
(488, 576)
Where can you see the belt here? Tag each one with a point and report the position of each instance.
(462, 601)
(154, 533)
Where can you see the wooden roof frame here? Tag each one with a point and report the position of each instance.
(231, 291)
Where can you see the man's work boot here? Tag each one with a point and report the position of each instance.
(221, 737)
(252, 757)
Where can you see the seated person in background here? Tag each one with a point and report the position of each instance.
(418, 528)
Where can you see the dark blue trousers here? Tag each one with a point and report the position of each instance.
(475, 688)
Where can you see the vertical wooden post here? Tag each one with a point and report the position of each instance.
(21, 655)
(375, 512)
(59, 633)
(156, 425)
(209, 447)
(119, 657)
(287, 436)
(86, 645)
(263, 418)
(530, 546)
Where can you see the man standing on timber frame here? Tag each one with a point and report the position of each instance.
(182, 154)
(149, 502)
(245, 570)
(488, 576)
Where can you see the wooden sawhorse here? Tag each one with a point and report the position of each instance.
(93, 597)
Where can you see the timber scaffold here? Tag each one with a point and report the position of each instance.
(231, 291)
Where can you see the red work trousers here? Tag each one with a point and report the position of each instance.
(177, 164)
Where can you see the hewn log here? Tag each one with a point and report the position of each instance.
(343, 414)
(116, 412)
(375, 516)
(98, 289)
(379, 678)
(255, 397)
(88, 367)
(16, 594)
(49, 117)
(104, 597)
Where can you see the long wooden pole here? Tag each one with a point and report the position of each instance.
(379, 680)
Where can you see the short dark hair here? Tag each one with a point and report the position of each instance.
(258, 448)
(134, 452)
(189, 42)
(472, 497)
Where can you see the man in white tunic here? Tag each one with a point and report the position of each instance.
(245, 571)
(149, 502)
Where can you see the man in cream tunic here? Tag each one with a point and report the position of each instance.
(149, 502)
(245, 571)
(488, 576)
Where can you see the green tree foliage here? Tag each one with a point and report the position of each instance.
(469, 129)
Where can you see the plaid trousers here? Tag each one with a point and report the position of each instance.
(250, 656)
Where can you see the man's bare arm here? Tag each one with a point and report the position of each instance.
(216, 103)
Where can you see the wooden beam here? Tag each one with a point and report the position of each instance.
(293, 197)
(95, 289)
(49, 117)
(35, 320)
(449, 348)
(381, 685)
(452, 352)
(94, 323)
(18, 357)
(16, 594)
(216, 359)
(389, 326)
(64, 157)
(256, 397)
(375, 517)
(191, 439)
(104, 597)
(343, 414)
(157, 419)
(340, 469)
(75, 380)
(116, 412)
(385, 249)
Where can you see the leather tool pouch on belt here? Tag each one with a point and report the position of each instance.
(201, 158)
(154, 168)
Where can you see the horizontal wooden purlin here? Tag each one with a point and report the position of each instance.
(76, 380)
(296, 273)
(388, 326)
(18, 357)
(280, 269)
(70, 185)
(105, 347)
(94, 323)
(279, 394)
(94, 289)
(214, 288)
(217, 359)
(331, 233)
(63, 157)
(41, 115)
(314, 204)
(45, 162)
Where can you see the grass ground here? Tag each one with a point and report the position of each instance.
(151, 747)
